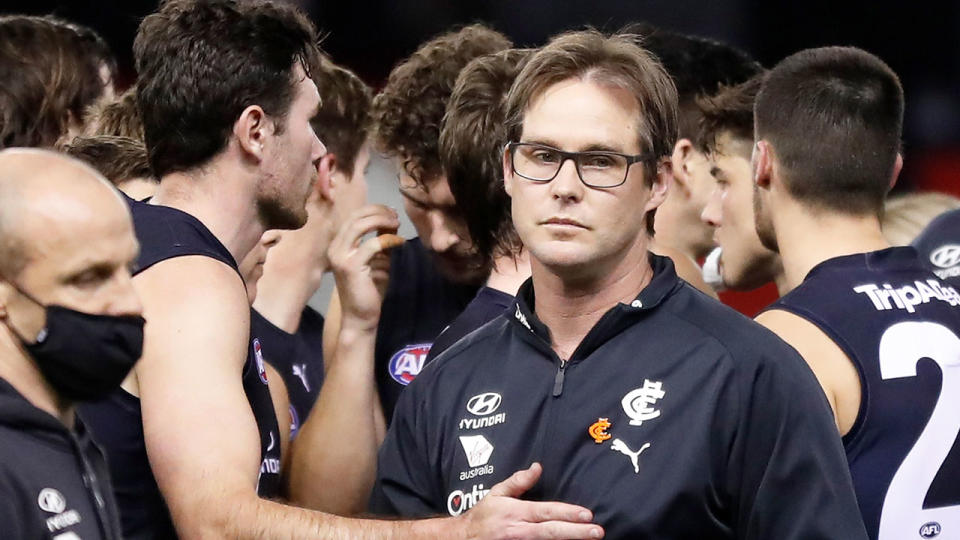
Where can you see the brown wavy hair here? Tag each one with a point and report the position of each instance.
(51, 73)
(408, 113)
(471, 149)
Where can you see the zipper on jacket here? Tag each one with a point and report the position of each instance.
(91, 482)
(558, 380)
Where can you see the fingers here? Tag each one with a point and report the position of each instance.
(364, 221)
(538, 512)
(556, 530)
(518, 483)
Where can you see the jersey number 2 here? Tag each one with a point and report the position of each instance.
(903, 516)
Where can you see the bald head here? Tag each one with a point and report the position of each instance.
(44, 197)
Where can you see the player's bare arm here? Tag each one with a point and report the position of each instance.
(347, 404)
(834, 370)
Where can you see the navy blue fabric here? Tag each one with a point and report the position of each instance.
(53, 481)
(418, 305)
(848, 299)
(116, 422)
(939, 246)
(297, 357)
(714, 427)
(486, 306)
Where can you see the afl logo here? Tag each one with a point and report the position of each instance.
(51, 500)
(258, 357)
(930, 530)
(484, 404)
(294, 422)
(406, 363)
(946, 256)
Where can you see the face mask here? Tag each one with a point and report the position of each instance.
(83, 356)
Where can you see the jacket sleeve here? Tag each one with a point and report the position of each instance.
(405, 483)
(788, 462)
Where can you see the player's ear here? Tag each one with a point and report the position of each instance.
(762, 164)
(325, 176)
(679, 162)
(507, 172)
(251, 131)
(661, 184)
(897, 167)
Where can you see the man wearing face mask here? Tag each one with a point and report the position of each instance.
(70, 330)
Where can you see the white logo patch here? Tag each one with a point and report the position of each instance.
(300, 370)
(638, 403)
(460, 501)
(620, 446)
(477, 448)
(946, 256)
(522, 318)
(484, 404)
(51, 500)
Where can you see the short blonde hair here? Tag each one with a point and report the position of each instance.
(906, 216)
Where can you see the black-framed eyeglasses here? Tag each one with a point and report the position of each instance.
(596, 169)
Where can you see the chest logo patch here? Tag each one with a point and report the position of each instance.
(300, 371)
(477, 448)
(51, 500)
(946, 256)
(620, 446)
(484, 404)
(258, 357)
(598, 430)
(638, 403)
(405, 364)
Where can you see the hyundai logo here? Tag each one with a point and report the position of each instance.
(484, 404)
(946, 256)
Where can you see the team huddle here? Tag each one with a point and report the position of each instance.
(547, 359)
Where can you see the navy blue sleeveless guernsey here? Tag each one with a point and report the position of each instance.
(489, 304)
(939, 246)
(900, 325)
(116, 422)
(418, 305)
(297, 357)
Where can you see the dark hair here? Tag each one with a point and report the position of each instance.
(48, 74)
(699, 67)
(471, 149)
(409, 111)
(614, 60)
(118, 117)
(730, 110)
(343, 121)
(96, 48)
(117, 158)
(202, 62)
(833, 116)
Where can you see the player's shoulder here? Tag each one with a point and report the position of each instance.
(708, 318)
(165, 233)
(468, 354)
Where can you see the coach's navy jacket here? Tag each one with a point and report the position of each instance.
(53, 482)
(675, 418)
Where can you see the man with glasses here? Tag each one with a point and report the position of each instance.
(663, 411)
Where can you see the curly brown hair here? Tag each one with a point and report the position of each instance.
(118, 159)
(471, 149)
(118, 117)
(408, 113)
(343, 121)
